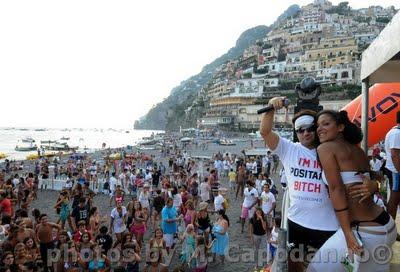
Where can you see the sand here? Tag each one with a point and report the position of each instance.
(240, 242)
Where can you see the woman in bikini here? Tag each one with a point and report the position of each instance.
(364, 225)
(138, 227)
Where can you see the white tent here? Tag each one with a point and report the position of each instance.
(380, 64)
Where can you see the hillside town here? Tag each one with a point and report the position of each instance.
(318, 40)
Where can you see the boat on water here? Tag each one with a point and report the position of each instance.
(48, 142)
(28, 140)
(58, 146)
(148, 142)
(64, 138)
(226, 142)
(40, 129)
(24, 148)
(186, 139)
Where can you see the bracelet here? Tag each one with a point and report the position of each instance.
(341, 210)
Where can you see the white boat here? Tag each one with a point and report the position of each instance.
(226, 142)
(28, 140)
(23, 148)
(186, 139)
(48, 142)
(58, 146)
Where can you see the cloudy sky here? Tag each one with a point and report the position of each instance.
(106, 63)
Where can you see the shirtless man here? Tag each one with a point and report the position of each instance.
(241, 180)
(44, 237)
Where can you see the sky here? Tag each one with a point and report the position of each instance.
(106, 63)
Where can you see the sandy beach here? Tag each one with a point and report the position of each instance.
(239, 242)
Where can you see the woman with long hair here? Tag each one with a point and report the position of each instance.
(31, 247)
(8, 261)
(138, 227)
(258, 231)
(157, 243)
(219, 230)
(62, 206)
(364, 225)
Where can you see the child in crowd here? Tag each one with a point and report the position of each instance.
(273, 239)
(232, 180)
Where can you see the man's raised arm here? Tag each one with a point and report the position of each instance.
(267, 120)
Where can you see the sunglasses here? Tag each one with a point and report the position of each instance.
(309, 129)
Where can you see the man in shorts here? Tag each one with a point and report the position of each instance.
(169, 218)
(249, 202)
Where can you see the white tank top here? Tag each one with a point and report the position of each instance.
(348, 177)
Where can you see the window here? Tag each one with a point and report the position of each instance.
(345, 74)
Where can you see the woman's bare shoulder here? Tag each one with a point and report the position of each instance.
(330, 146)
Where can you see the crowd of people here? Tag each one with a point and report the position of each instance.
(174, 205)
(157, 208)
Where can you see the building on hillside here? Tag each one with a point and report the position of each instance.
(365, 38)
(341, 74)
(253, 50)
(284, 117)
(334, 51)
(271, 54)
(220, 88)
(276, 36)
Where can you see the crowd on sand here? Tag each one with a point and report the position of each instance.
(159, 207)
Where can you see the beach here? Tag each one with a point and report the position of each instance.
(240, 259)
(239, 242)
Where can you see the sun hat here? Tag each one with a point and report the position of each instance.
(202, 206)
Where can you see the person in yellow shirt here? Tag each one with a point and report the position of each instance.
(232, 179)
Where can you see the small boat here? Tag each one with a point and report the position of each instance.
(186, 139)
(40, 129)
(30, 147)
(148, 142)
(59, 146)
(127, 131)
(226, 142)
(64, 138)
(28, 140)
(48, 142)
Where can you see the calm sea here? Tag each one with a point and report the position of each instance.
(83, 138)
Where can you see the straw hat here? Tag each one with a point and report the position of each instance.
(202, 206)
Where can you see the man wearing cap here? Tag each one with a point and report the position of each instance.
(311, 217)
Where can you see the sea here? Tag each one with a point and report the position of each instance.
(86, 139)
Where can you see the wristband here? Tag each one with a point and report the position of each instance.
(341, 210)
